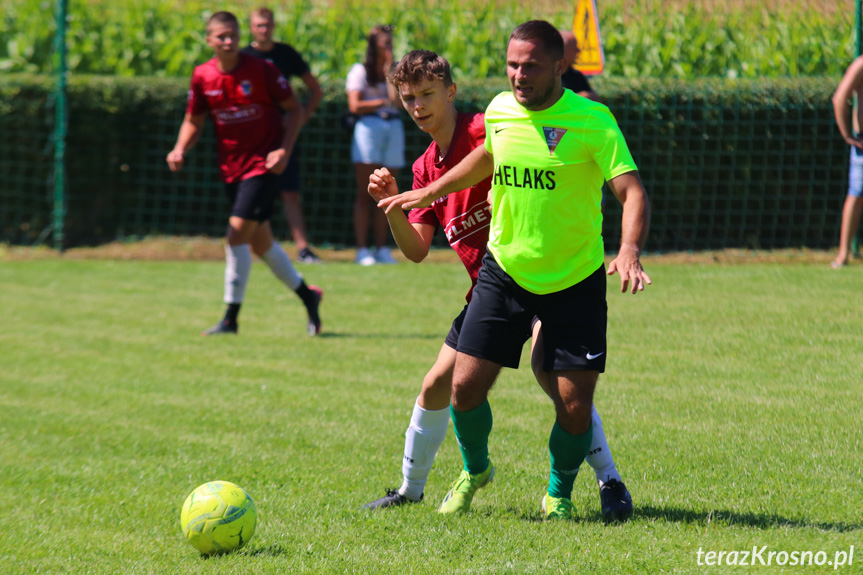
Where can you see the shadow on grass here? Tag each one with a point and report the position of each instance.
(728, 518)
(275, 550)
(337, 335)
(717, 516)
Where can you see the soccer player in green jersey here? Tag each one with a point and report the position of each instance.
(549, 152)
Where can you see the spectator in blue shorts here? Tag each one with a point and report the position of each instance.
(379, 140)
(849, 125)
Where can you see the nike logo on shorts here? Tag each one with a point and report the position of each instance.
(591, 356)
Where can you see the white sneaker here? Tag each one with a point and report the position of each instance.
(365, 257)
(383, 256)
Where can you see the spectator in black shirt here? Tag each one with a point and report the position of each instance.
(572, 78)
(290, 63)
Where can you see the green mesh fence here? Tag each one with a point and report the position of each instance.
(726, 164)
(26, 197)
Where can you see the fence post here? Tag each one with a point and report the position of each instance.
(60, 124)
(857, 23)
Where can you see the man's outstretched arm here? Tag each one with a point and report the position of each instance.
(474, 168)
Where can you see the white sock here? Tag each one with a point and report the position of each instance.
(281, 266)
(238, 266)
(599, 456)
(422, 441)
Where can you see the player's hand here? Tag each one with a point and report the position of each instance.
(277, 161)
(629, 267)
(175, 160)
(382, 185)
(856, 142)
(421, 198)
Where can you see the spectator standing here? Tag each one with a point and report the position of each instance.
(572, 78)
(849, 126)
(291, 64)
(378, 140)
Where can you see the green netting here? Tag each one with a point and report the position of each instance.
(726, 164)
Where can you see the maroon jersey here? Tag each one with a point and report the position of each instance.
(244, 106)
(464, 215)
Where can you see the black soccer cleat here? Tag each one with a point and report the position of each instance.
(307, 256)
(222, 328)
(615, 501)
(392, 499)
(314, 324)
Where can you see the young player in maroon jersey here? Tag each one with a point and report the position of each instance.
(245, 97)
(428, 94)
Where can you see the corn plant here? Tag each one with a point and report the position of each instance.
(664, 38)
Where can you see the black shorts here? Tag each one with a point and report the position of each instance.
(500, 315)
(454, 330)
(289, 180)
(252, 199)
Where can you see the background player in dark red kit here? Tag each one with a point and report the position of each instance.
(246, 98)
(290, 63)
(427, 92)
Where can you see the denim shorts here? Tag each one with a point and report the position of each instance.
(379, 142)
(855, 173)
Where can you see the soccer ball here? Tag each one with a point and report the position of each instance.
(218, 517)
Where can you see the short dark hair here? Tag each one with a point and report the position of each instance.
(223, 18)
(540, 32)
(263, 12)
(419, 65)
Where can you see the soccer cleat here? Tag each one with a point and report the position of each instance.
(383, 256)
(314, 325)
(557, 508)
(463, 489)
(615, 500)
(222, 328)
(392, 499)
(365, 257)
(307, 256)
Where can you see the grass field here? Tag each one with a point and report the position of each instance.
(731, 403)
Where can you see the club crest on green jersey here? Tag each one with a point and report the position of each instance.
(553, 137)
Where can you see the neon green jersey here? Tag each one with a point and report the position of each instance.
(546, 193)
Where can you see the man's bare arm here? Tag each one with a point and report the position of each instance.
(413, 240)
(634, 225)
(316, 94)
(474, 168)
(851, 82)
(292, 122)
(190, 131)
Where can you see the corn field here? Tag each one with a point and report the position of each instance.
(644, 38)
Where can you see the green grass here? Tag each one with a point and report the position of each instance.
(731, 403)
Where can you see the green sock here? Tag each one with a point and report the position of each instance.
(472, 429)
(567, 452)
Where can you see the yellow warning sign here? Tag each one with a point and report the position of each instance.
(585, 26)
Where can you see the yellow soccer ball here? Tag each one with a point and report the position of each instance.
(218, 517)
